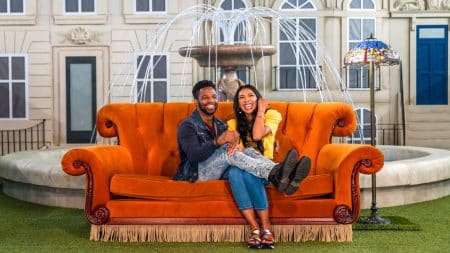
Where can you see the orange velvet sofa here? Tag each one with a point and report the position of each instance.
(130, 194)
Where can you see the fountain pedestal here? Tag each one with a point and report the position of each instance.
(228, 57)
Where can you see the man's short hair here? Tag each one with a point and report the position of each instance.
(200, 85)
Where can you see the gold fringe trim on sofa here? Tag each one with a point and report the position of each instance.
(217, 233)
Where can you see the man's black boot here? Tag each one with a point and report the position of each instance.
(279, 176)
(301, 172)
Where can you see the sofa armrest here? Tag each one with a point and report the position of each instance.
(99, 163)
(344, 162)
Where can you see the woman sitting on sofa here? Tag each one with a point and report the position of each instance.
(257, 125)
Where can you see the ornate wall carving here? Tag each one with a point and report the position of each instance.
(80, 35)
(416, 5)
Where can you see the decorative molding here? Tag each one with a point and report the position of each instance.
(146, 18)
(421, 5)
(408, 5)
(80, 19)
(413, 24)
(331, 4)
(80, 36)
(420, 14)
(18, 20)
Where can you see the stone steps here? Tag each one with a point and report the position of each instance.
(428, 126)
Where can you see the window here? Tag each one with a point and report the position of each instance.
(79, 6)
(11, 7)
(13, 87)
(230, 31)
(150, 5)
(359, 29)
(361, 5)
(297, 5)
(152, 78)
(363, 131)
(233, 4)
(298, 67)
(234, 33)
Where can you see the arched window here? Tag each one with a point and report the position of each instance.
(363, 130)
(361, 5)
(297, 40)
(297, 5)
(233, 4)
(235, 33)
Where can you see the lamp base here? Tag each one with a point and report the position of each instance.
(374, 218)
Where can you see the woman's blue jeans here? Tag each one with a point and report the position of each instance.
(248, 190)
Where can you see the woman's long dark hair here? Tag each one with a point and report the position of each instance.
(243, 126)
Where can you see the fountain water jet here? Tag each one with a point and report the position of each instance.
(221, 34)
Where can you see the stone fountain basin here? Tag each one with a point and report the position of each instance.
(410, 175)
(227, 55)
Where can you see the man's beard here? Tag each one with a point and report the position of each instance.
(205, 111)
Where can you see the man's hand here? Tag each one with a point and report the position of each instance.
(230, 137)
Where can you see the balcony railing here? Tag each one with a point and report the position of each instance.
(386, 134)
(22, 139)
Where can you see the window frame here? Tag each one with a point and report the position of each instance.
(360, 127)
(10, 82)
(150, 11)
(297, 65)
(297, 7)
(8, 9)
(150, 79)
(362, 6)
(80, 12)
(361, 32)
(232, 4)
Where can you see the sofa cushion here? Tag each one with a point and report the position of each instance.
(164, 188)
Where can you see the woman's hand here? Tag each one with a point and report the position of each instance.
(263, 105)
(233, 148)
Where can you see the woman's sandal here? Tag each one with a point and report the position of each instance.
(254, 241)
(267, 241)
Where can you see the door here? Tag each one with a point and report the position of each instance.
(432, 65)
(81, 99)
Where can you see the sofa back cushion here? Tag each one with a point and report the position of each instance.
(149, 130)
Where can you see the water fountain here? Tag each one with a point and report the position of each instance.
(228, 57)
(238, 38)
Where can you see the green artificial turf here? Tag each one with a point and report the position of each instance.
(26, 227)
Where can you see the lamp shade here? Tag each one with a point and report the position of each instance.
(371, 50)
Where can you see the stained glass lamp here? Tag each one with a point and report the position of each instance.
(373, 53)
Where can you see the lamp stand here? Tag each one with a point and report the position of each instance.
(374, 218)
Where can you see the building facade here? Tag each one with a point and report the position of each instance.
(59, 58)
